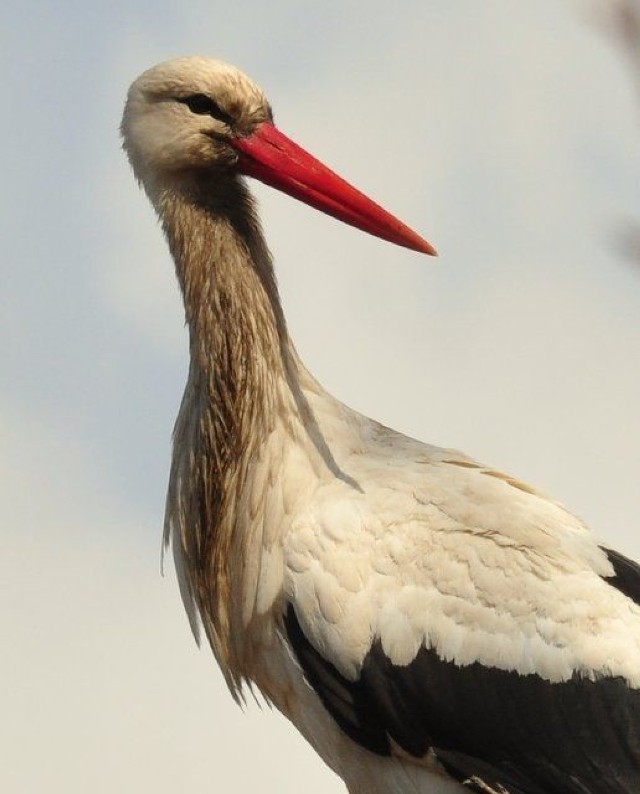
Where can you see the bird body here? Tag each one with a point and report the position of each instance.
(429, 624)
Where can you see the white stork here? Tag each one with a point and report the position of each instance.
(428, 623)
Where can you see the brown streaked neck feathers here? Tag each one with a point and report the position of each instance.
(244, 377)
(222, 262)
(239, 356)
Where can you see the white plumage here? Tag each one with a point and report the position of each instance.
(384, 594)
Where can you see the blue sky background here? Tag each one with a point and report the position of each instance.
(506, 131)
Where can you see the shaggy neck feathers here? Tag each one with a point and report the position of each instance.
(239, 384)
(245, 385)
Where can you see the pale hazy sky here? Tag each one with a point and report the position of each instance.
(506, 131)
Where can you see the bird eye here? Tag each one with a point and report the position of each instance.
(205, 106)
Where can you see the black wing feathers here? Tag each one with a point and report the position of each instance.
(626, 576)
(346, 701)
(519, 734)
(482, 777)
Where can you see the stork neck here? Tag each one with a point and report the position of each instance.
(242, 372)
(242, 361)
(232, 307)
(244, 378)
(241, 380)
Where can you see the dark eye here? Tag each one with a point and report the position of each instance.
(205, 106)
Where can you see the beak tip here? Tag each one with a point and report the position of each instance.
(426, 248)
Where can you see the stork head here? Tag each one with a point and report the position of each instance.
(182, 114)
(202, 117)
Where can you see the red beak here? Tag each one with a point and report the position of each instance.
(274, 159)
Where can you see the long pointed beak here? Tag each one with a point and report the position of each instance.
(268, 155)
